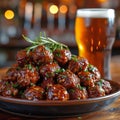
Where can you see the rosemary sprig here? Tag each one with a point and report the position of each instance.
(46, 41)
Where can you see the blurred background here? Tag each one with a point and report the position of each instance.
(55, 17)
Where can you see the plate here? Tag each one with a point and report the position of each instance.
(49, 109)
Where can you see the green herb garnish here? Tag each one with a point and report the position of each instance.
(74, 57)
(80, 87)
(46, 41)
(91, 68)
(7, 83)
(32, 84)
(30, 67)
(57, 54)
(15, 85)
(60, 70)
(100, 82)
(72, 90)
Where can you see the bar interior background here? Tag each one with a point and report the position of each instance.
(55, 17)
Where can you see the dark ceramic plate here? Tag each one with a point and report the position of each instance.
(44, 109)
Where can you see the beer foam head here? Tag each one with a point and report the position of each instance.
(96, 13)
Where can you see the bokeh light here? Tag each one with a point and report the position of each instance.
(102, 1)
(9, 14)
(63, 9)
(53, 9)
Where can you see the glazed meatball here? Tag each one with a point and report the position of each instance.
(57, 92)
(47, 82)
(78, 93)
(41, 55)
(2, 85)
(77, 64)
(94, 71)
(105, 85)
(27, 76)
(8, 89)
(48, 70)
(68, 79)
(34, 93)
(11, 74)
(62, 56)
(22, 58)
(86, 79)
(96, 91)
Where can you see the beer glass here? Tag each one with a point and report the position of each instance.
(95, 35)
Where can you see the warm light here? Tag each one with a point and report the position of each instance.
(91, 48)
(81, 47)
(101, 1)
(9, 14)
(53, 9)
(99, 42)
(66, 1)
(63, 9)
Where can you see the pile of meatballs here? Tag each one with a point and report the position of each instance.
(58, 75)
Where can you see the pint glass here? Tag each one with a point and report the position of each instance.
(95, 35)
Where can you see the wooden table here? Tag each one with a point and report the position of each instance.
(111, 112)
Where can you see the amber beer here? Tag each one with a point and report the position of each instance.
(95, 34)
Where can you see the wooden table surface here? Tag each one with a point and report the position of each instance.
(111, 112)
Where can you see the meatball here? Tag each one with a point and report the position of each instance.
(48, 70)
(2, 85)
(105, 85)
(96, 91)
(78, 93)
(62, 56)
(68, 79)
(11, 74)
(57, 92)
(86, 79)
(8, 89)
(94, 71)
(34, 93)
(42, 55)
(47, 82)
(22, 58)
(77, 64)
(27, 76)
